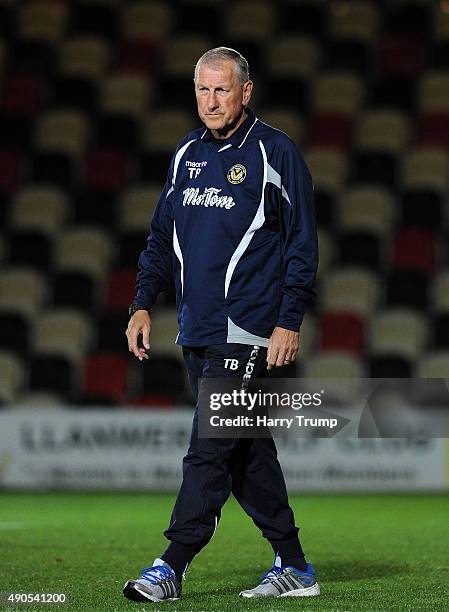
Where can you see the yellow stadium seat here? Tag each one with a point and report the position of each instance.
(39, 208)
(85, 56)
(62, 331)
(125, 94)
(426, 167)
(147, 19)
(398, 331)
(250, 20)
(22, 290)
(165, 128)
(64, 131)
(12, 376)
(433, 92)
(285, 120)
(338, 93)
(440, 291)
(356, 20)
(328, 168)
(138, 206)
(182, 53)
(434, 365)
(293, 56)
(383, 130)
(366, 208)
(83, 249)
(42, 20)
(350, 289)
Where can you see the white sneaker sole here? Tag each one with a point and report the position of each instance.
(312, 591)
(144, 594)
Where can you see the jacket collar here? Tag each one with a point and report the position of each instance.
(238, 137)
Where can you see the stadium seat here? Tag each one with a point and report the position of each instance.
(138, 56)
(352, 55)
(330, 130)
(75, 93)
(52, 373)
(121, 289)
(95, 18)
(163, 375)
(333, 365)
(406, 288)
(366, 208)
(30, 248)
(441, 331)
(290, 92)
(350, 290)
(399, 56)
(62, 332)
(39, 400)
(421, 208)
(308, 17)
(137, 207)
(384, 366)
(360, 248)
(116, 131)
(11, 167)
(106, 170)
(22, 95)
(285, 120)
(84, 56)
(426, 168)
(398, 332)
(407, 256)
(55, 169)
(433, 92)
(42, 209)
(63, 131)
(328, 168)
(326, 249)
(106, 374)
(74, 243)
(125, 94)
(393, 91)
(164, 333)
(432, 130)
(14, 331)
(374, 167)
(342, 331)
(111, 328)
(382, 130)
(182, 54)
(337, 92)
(22, 290)
(308, 338)
(12, 376)
(434, 365)
(440, 291)
(292, 55)
(163, 129)
(249, 19)
(357, 20)
(97, 209)
(76, 290)
(42, 20)
(150, 20)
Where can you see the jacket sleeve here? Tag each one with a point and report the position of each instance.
(299, 240)
(156, 261)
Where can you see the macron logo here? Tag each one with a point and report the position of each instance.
(209, 197)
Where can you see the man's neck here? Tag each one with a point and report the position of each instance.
(229, 130)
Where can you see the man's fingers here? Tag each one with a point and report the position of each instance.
(281, 357)
(271, 356)
(146, 337)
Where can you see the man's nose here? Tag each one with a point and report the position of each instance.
(212, 101)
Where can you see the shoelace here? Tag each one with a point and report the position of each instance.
(156, 573)
(272, 573)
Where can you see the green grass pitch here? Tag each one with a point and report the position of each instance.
(371, 552)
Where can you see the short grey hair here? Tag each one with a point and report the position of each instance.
(220, 54)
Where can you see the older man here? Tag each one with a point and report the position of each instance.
(235, 230)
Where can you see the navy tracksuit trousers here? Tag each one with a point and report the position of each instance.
(213, 468)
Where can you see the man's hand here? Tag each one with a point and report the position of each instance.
(282, 348)
(139, 324)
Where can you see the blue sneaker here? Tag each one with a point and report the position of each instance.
(155, 583)
(288, 581)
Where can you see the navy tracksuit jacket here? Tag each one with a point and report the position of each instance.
(235, 229)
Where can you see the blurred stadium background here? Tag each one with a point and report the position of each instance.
(94, 96)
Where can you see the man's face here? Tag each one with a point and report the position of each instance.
(221, 97)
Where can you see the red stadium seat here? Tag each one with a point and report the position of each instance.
(138, 56)
(22, 95)
(342, 331)
(106, 374)
(121, 289)
(106, 170)
(331, 130)
(413, 249)
(10, 166)
(433, 130)
(399, 56)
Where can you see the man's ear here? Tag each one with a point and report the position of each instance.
(247, 91)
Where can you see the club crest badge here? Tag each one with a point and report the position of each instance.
(236, 174)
